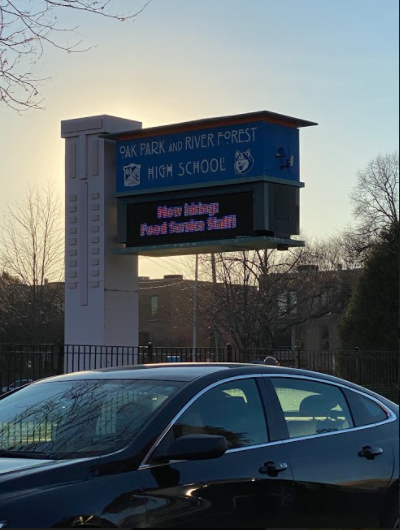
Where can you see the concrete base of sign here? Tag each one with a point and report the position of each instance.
(229, 245)
(101, 298)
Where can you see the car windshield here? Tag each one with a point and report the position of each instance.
(73, 419)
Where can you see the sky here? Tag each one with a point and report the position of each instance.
(332, 62)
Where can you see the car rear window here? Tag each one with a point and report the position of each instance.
(311, 408)
(365, 410)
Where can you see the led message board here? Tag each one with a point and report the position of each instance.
(192, 219)
(216, 151)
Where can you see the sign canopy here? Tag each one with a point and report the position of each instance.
(236, 149)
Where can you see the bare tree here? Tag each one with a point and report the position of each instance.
(375, 199)
(26, 29)
(269, 282)
(10, 302)
(260, 294)
(31, 256)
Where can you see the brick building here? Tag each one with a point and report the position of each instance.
(167, 311)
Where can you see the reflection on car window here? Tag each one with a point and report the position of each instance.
(65, 419)
(233, 410)
(365, 411)
(312, 408)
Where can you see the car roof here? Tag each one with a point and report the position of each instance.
(185, 372)
(162, 372)
(205, 372)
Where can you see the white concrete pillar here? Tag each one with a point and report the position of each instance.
(101, 288)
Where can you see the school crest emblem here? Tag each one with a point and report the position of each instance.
(132, 175)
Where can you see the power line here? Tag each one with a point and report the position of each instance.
(172, 263)
(162, 266)
(174, 284)
(173, 271)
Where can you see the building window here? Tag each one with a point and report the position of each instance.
(144, 338)
(287, 303)
(282, 304)
(324, 299)
(154, 308)
(324, 338)
(283, 338)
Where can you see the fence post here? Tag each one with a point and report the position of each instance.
(298, 358)
(150, 351)
(229, 353)
(60, 359)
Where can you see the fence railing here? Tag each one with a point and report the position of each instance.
(20, 364)
(78, 358)
(378, 371)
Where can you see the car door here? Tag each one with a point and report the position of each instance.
(341, 470)
(251, 486)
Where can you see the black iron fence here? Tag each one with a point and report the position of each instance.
(20, 364)
(378, 371)
(78, 358)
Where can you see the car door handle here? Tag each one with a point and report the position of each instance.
(370, 453)
(272, 469)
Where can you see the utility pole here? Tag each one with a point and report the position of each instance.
(214, 288)
(195, 309)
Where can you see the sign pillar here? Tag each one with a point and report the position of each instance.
(101, 288)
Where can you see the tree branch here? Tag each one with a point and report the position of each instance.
(25, 30)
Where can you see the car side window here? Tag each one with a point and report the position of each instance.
(365, 411)
(233, 410)
(312, 408)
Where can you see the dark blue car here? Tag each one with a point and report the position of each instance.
(196, 446)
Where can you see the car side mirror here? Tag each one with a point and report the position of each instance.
(195, 447)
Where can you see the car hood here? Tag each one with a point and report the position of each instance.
(18, 476)
(8, 465)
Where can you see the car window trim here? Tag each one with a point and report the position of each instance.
(390, 419)
(337, 384)
(280, 425)
(391, 416)
(271, 412)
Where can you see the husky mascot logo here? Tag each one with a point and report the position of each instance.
(132, 175)
(243, 162)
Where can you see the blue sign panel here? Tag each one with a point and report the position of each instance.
(216, 154)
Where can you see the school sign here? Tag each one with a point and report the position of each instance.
(214, 185)
(244, 168)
